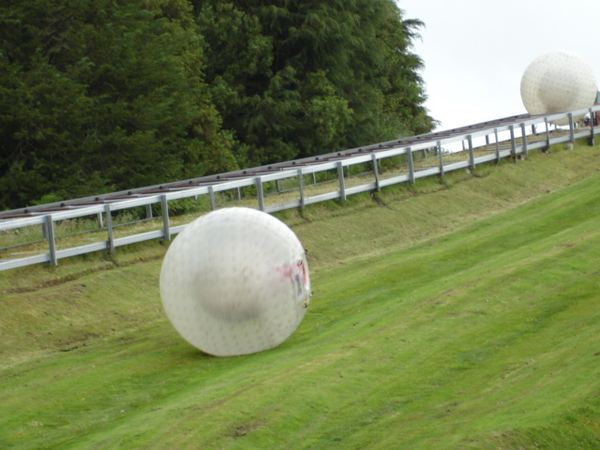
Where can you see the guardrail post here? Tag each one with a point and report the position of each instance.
(148, 211)
(524, 139)
(497, 146)
(211, 193)
(591, 140)
(301, 186)
(51, 240)
(513, 144)
(342, 181)
(440, 157)
(547, 135)
(376, 172)
(471, 152)
(571, 131)
(165, 217)
(261, 194)
(411, 165)
(110, 244)
(100, 220)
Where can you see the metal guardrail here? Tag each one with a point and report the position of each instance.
(481, 143)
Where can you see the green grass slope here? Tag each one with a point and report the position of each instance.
(454, 315)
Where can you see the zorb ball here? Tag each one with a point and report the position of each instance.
(558, 82)
(235, 281)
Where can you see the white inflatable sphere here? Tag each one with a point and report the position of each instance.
(235, 281)
(558, 82)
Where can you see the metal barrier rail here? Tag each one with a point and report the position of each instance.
(519, 140)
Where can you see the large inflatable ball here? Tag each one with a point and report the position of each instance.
(235, 281)
(558, 82)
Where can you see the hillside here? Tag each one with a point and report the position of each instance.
(455, 313)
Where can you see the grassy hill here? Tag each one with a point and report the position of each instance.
(453, 314)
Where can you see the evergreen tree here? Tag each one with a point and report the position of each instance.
(98, 96)
(315, 76)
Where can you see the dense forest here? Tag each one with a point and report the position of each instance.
(99, 95)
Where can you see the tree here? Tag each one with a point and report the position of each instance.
(103, 95)
(98, 96)
(295, 78)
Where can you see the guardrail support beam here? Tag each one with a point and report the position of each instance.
(376, 172)
(591, 140)
(471, 153)
(440, 157)
(571, 131)
(260, 193)
(51, 240)
(165, 217)
(301, 186)
(497, 146)
(513, 144)
(547, 135)
(524, 139)
(411, 165)
(213, 203)
(110, 244)
(340, 169)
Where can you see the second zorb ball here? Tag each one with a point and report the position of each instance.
(558, 82)
(235, 281)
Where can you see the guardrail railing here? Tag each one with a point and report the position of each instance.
(38, 234)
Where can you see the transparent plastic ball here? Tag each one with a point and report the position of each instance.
(235, 281)
(558, 82)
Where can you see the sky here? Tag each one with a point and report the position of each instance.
(475, 51)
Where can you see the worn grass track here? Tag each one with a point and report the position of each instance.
(447, 316)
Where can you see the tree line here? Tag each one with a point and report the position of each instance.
(98, 96)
